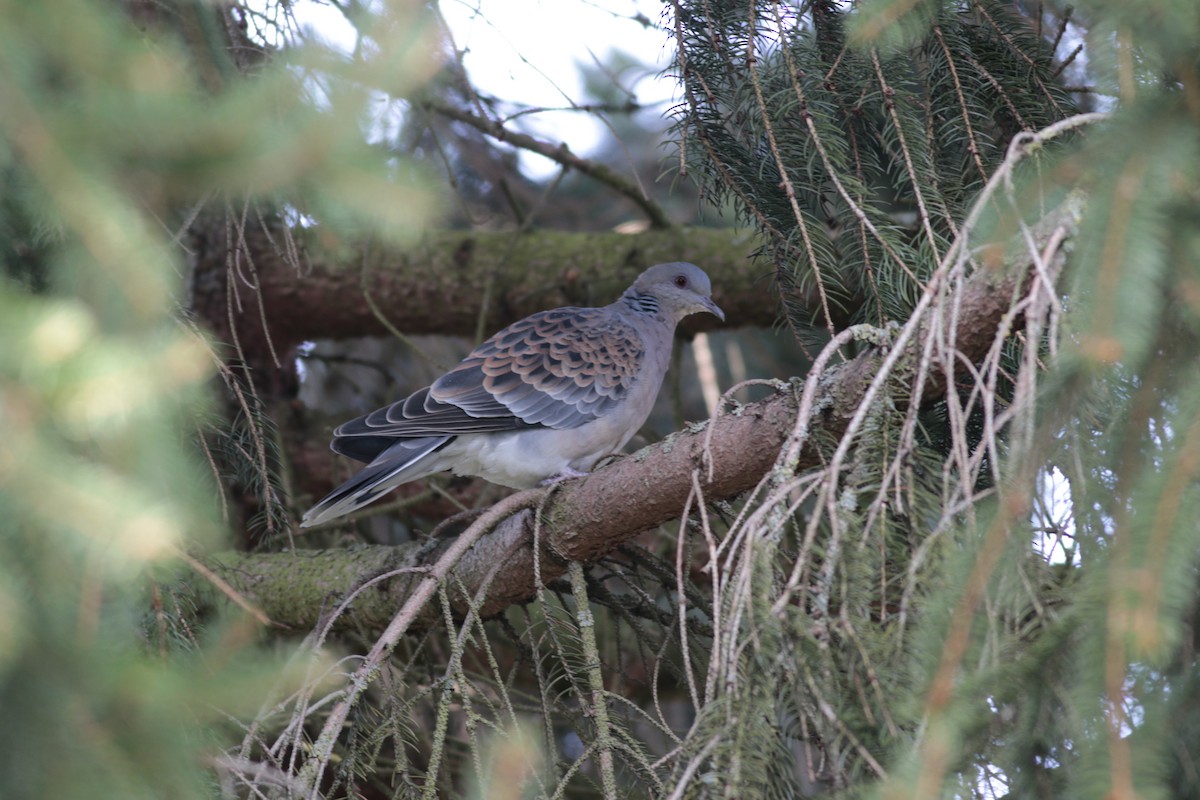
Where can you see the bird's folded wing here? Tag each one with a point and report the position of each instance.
(560, 369)
(556, 369)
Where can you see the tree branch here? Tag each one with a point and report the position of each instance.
(560, 154)
(436, 284)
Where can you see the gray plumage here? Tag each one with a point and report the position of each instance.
(543, 399)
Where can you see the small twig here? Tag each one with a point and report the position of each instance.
(685, 778)
(384, 321)
(831, 171)
(788, 187)
(1062, 27)
(591, 657)
(973, 147)
(560, 154)
(225, 589)
(681, 602)
(909, 165)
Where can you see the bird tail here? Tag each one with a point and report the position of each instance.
(398, 464)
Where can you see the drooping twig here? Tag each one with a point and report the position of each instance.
(591, 655)
(323, 747)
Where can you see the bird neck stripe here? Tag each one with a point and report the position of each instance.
(645, 303)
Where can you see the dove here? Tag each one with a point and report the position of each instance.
(541, 401)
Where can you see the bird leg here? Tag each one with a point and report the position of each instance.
(566, 475)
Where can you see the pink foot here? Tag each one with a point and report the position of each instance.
(566, 475)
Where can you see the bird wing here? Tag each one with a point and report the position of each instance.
(557, 369)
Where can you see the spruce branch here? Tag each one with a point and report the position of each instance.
(788, 185)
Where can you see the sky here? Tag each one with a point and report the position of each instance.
(529, 52)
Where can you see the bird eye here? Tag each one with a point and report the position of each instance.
(681, 281)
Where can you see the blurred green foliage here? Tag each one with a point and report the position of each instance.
(118, 119)
(1078, 678)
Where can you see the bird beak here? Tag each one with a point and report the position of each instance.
(712, 308)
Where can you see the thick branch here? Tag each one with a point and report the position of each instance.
(437, 284)
(586, 519)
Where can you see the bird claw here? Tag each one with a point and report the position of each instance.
(566, 475)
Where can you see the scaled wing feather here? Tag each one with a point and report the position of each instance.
(561, 369)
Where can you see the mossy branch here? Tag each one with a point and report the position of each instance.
(438, 283)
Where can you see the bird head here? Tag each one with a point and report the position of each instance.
(680, 288)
